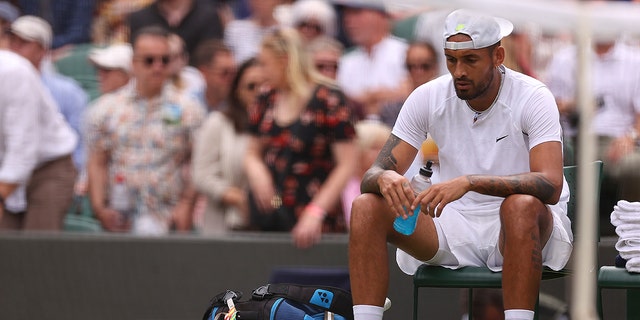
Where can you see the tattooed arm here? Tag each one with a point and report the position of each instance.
(544, 181)
(396, 155)
(385, 177)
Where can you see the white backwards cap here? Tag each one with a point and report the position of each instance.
(483, 30)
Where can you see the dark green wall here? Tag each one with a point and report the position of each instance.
(106, 276)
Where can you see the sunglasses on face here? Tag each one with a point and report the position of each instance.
(419, 66)
(309, 25)
(149, 61)
(327, 66)
(225, 73)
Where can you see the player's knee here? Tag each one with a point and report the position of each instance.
(521, 211)
(364, 209)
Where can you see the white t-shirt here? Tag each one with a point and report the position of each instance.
(615, 82)
(384, 68)
(498, 143)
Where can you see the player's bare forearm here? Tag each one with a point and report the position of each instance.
(534, 183)
(385, 161)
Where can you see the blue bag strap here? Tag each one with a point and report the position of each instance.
(326, 298)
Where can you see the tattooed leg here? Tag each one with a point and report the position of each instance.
(526, 227)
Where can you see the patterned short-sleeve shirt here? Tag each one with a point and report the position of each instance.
(148, 143)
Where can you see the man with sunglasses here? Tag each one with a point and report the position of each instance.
(422, 66)
(215, 62)
(139, 141)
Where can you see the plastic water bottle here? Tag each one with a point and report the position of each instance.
(120, 197)
(421, 181)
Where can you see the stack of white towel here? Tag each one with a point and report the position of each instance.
(626, 218)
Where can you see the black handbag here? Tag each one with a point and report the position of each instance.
(280, 219)
(284, 302)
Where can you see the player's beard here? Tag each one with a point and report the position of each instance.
(474, 91)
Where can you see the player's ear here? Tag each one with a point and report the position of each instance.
(498, 56)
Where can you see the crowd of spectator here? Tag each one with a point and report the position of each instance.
(219, 115)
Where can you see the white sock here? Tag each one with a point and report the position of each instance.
(367, 312)
(518, 314)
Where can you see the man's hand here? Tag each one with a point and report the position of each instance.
(397, 192)
(112, 220)
(182, 216)
(434, 199)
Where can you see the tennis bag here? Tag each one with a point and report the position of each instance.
(284, 302)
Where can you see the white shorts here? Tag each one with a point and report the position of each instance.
(471, 239)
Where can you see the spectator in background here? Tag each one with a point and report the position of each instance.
(616, 122)
(110, 23)
(31, 38)
(139, 142)
(225, 11)
(301, 153)
(373, 73)
(8, 13)
(215, 62)
(184, 76)
(518, 44)
(244, 36)
(193, 20)
(428, 29)
(36, 171)
(313, 18)
(422, 66)
(70, 20)
(325, 53)
(219, 152)
(113, 64)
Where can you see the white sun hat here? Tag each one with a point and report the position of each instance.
(115, 56)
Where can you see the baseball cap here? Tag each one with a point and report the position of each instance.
(8, 12)
(115, 56)
(377, 5)
(484, 30)
(32, 28)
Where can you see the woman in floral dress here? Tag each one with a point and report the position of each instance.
(301, 153)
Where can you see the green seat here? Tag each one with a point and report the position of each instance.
(610, 277)
(406, 27)
(482, 277)
(76, 65)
